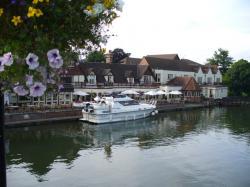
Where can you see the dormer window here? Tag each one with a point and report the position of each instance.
(78, 78)
(130, 80)
(92, 78)
(109, 78)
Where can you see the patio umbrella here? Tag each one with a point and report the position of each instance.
(160, 92)
(81, 93)
(152, 93)
(175, 93)
(97, 99)
(130, 92)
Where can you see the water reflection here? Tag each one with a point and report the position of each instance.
(38, 148)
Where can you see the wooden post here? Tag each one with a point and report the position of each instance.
(2, 144)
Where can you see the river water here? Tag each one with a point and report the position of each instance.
(207, 147)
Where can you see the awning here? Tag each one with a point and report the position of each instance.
(130, 92)
(81, 93)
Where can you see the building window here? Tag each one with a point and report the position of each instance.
(130, 80)
(217, 80)
(158, 77)
(109, 78)
(147, 79)
(209, 80)
(170, 76)
(200, 80)
(92, 78)
(78, 78)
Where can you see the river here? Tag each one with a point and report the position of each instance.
(205, 147)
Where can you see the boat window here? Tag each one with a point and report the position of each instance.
(127, 103)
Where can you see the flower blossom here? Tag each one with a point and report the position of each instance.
(60, 87)
(20, 90)
(2, 60)
(32, 61)
(16, 20)
(29, 80)
(8, 59)
(94, 10)
(37, 89)
(56, 63)
(1, 12)
(54, 58)
(119, 5)
(98, 8)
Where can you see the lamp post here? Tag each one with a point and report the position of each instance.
(2, 144)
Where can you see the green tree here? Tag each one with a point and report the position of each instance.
(39, 25)
(222, 59)
(238, 78)
(95, 56)
(118, 54)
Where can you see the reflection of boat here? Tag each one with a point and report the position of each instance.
(117, 108)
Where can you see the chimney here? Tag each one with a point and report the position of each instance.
(109, 57)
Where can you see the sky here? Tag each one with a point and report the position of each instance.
(193, 29)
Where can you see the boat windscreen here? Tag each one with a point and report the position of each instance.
(128, 103)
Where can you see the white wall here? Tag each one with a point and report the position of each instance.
(216, 92)
(164, 74)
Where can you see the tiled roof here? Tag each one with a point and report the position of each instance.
(130, 60)
(187, 83)
(166, 64)
(120, 71)
(166, 56)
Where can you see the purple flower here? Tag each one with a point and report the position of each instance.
(32, 61)
(54, 58)
(8, 59)
(60, 87)
(57, 63)
(13, 1)
(37, 89)
(53, 54)
(119, 5)
(20, 90)
(2, 61)
(51, 81)
(29, 80)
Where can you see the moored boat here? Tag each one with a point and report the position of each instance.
(117, 108)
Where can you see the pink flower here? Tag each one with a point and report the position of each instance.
(20, 90)
(37, 89)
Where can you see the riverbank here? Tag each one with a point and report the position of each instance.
(31, 118)
(22, 119)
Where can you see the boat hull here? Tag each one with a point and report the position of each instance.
(116, 117)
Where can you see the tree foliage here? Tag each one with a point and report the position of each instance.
(31, 28)
(96, 56)
(222, 59)
(238, 78)
(61, 24)
(118, 54)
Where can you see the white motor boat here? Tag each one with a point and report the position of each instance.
(117, 108)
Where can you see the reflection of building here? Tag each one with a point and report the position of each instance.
(39, 148)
